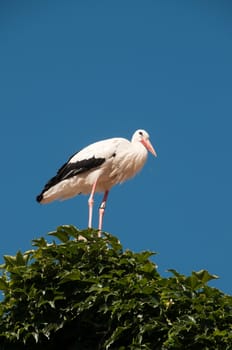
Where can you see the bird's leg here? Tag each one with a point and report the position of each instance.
(101, 212)
(90, 203)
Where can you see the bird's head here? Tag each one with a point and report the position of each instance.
(143, 137)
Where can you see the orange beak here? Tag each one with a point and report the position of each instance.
(149, 146)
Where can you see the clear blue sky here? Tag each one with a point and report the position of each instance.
(74, 72)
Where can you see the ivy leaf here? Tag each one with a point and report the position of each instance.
(204, 276)
(71, 276)
(9, 260)
(40, 242)
(61, 234)
(20, 260)
(3, 284)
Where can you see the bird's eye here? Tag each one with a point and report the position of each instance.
(141, 133)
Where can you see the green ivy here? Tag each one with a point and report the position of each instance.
(86, 292)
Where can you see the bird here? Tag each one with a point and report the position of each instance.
(97, 168)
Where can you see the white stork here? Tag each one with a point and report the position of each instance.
(97, 168)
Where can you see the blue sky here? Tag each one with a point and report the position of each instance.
(74, 72)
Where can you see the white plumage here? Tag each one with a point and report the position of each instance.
(97, 168)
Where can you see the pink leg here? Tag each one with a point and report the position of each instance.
(90, 203)
(101, 212)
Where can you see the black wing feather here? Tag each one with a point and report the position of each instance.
(69, 170)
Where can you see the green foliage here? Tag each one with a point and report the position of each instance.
(85, 292)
